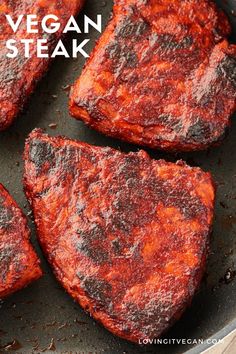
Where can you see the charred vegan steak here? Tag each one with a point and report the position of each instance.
(162, 75)
(18, 76)
(19, 264)
(127, 236)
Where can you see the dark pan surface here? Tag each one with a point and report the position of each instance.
(43, 317)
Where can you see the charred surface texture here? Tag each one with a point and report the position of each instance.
(19, 76)
(19, 264)
(162, 75)
(127, 236)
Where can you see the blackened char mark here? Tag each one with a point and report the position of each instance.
(171, 122)
(168, 42)
(97, 253)
(227, 70)
(199, 132)
(131, 29)
(6, 216)
(161, 191)
(97, 289)
(123, 56)
(90, 243)
(41, 152)
(7, 254)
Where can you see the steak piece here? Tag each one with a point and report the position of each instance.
(19, 264)
(162, 75)
(127, 236)
(19, 76)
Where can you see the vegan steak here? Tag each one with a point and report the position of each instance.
(19, 264)
(126, 236)
(163, 75)
(19, 75)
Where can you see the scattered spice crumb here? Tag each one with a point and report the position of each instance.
(223, 205)
(50, 347)
(66, 88)
(12, 346)
(52, 125)
(229, 276)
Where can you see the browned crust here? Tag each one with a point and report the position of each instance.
(127, 236)
(162, 75)
(19, 76)
(19, 264)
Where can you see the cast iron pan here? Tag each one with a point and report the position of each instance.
(43, 318)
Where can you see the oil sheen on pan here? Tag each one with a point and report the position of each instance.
(18, 76)
(19, 264)
(163, 75)
(126, 236)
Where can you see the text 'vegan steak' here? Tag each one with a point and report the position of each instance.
(19, 76)
(127, 236)
(162, 75)
(19, 264)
